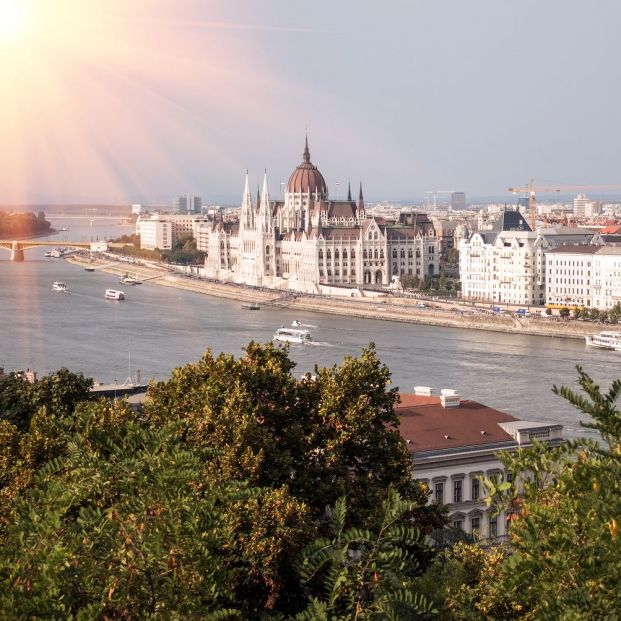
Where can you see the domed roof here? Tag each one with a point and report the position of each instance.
(306, 178)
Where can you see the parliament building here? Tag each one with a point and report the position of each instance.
(308, 240)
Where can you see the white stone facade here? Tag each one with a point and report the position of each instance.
(589, 277)
(154, 234)
(307, 240)
(179, 225)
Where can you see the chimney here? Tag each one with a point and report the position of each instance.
(423, 391)
(449, 398)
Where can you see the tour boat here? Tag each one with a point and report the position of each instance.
(251, 306)
(59, 286)
(292, 335)
(296, 324)
(113, 294)
(605, 340)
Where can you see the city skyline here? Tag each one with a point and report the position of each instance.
(139, 103)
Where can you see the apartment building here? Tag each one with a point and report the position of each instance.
(454, 444)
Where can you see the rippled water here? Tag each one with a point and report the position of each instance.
(164, 327)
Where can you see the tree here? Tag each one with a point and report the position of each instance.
(362, 574)
(565, 543)
(325, 436)
(564, 312)
(614, 315)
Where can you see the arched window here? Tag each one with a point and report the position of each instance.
(267, 249)
(410, 253)
(329, 254)
(365, 254)
(336, 253)
(418, 254)
(381, 253)
(375, 253)
(321, 253)
(402, 253)
(394, 253)
(353, 253)
(345, 253)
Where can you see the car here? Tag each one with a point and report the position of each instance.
(421, 305)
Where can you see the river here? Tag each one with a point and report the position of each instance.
(162, 327)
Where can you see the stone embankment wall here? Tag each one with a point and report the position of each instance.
(388, 308)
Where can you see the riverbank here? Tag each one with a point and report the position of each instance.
(385, 308)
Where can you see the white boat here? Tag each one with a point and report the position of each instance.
(296, 324)
(605, 340)
(128, 280)
(293, 335)
(113, 294)
(59, 286)
(57, 253)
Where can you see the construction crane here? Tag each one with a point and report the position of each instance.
(435, 193)
(532, 190)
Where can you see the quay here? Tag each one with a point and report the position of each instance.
(443, 313)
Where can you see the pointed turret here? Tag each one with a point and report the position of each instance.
(258, 201)
(265, 212)
(360, 204)
(246, 218)
(349, 190)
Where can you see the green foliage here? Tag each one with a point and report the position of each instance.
(564, 312)
(198, 507)
(564, 540)
(59, 392)
(614, 315)
(364, 574)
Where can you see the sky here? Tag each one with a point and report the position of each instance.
(139, 100)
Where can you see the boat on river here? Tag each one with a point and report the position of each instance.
(113, 294)
(129, 280)
(251, 306)
(59, 286)
(605, 340)
(293, 335)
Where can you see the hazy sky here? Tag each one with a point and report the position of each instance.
(138, 100)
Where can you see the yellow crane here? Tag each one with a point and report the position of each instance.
(532, 190)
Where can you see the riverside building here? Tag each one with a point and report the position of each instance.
(307, 240)
(506, 264)
(454, 445)
(584, 276)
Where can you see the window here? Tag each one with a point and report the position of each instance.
(344, 254)
(353, 253)
(476, 489)
(336, 254)
(457, 524)
(457, 490)
(493, 526)
(329, 254)
(475, 522)
(394, 254)
(439, 489)
(320, 253)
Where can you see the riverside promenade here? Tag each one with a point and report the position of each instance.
(387, 308)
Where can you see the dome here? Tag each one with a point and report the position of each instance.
(306, 178)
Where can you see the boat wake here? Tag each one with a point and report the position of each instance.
(319, 344)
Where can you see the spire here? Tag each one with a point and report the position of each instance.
(258, 198)
(265, 216)
(349, 190)
(360, 203)
(306, 155)
(246, 208)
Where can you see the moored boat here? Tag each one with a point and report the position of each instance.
(293, 335)
(128, 280)
(59, 286)
(251, 306)
(605, 340)
(113, 294)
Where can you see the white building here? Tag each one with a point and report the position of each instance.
(307, 239)
(180, 225)
(584, 276)
(154, 233)
(507, 263)
(454, 444)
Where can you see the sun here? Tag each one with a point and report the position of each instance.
(14, 19)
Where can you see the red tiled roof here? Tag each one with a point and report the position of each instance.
(424, 423)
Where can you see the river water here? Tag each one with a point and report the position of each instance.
(161, 328)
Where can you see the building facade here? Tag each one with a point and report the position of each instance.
(584, 276)
(166, 228)
(454, 445)
(307, 239)
(506, 264)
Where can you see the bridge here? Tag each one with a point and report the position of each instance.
(17, 247)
